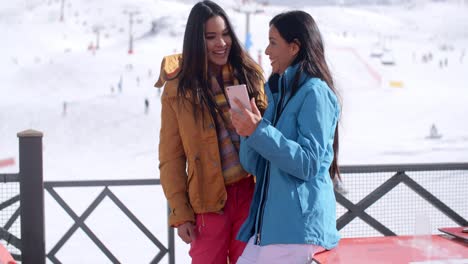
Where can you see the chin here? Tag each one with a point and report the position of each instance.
(219, 62)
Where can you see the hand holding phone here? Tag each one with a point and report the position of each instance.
(239, 92)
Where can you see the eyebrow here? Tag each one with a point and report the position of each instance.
(214, 33)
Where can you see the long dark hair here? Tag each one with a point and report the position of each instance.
(194, 80)
(300, 27)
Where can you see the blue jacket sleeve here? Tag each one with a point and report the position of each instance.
(249, 158)
(316, 122)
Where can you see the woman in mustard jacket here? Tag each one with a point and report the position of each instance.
(208, 191)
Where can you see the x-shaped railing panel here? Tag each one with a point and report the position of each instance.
(358, 209)
(5, 234)
(79, 223)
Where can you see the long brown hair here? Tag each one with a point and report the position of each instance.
(299, 26)
(193, 77)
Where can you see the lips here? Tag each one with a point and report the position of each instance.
(272, 61)
(220, 52)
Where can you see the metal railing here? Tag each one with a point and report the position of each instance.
(414, 191)
(79, 220)
(372, 192)
(31, 245)
(10, 203)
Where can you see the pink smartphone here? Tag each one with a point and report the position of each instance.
(239, 92)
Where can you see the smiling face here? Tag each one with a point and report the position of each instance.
(218, 41)
(280, 52)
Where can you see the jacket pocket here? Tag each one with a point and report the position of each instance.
(199, 174)
(303, 195)
(194, 181)
(190, 181)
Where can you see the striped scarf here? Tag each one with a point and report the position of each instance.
(228, 139)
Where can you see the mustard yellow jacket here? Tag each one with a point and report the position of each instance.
(189, 159)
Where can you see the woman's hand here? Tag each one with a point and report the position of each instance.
(186, 231)
(245, 121)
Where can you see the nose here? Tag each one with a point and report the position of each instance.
(267, 50)
(221, 42)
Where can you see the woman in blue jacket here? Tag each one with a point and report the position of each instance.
(292, 149)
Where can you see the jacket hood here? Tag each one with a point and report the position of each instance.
(170, 67)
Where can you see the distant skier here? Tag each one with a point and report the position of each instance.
(434, 134)
(146, 106)
(119, 84)
(64, 111)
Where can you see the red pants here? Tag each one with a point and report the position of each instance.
(216, 233)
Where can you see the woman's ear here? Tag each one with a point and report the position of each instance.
(295, 46)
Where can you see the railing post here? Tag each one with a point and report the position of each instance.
(171, 243)
(31, 197)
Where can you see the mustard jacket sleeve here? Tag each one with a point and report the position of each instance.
(172, 165)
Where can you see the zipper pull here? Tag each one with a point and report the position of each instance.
(258, 239)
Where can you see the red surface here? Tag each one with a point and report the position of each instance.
(395, 249)
(455, 231)
(7, 162)
(5, 257)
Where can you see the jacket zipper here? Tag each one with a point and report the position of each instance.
(260, 212)
(263, 197)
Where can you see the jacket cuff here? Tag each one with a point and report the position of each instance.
(261, 128)
(181, 214)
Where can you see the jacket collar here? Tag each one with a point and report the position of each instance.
(287, 77)
(289, 73)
